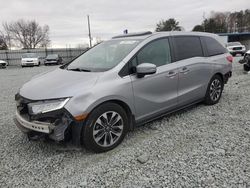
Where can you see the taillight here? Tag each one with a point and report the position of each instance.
(230, 58)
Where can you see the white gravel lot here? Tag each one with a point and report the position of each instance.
(204, 146)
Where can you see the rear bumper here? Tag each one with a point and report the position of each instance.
(50, 62)
(29, 64)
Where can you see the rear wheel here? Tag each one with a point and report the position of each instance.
(214, 90)
(105, 128)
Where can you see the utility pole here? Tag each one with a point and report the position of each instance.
(204, 21)
(90, 40)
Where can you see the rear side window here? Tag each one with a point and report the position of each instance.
(213, 46)
(187, 47)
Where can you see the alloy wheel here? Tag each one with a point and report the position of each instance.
(215, 90)
(108, 128)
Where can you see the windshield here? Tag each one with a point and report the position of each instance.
(29, 55)
(233, 44)
(52, 56)
(104, 56)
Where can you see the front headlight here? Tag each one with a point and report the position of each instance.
(46, 106)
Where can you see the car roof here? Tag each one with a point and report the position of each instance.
(144, 35)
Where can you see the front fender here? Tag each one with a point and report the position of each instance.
(84, 104)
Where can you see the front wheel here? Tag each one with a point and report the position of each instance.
(105, 128)
(214, 90)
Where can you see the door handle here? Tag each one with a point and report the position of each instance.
(171, 74)
(184, 70)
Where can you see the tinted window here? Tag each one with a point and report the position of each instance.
(213, 46)
(156, 52)
(187, 47)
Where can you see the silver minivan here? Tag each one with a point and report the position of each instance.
(123, 82)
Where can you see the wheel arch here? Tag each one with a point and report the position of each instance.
(125, 106)
(221, 76)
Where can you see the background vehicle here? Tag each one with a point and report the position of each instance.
(246, 61)
(53, 59)
(129, 80)
(30, 59)
(236, 48)
(3, 64)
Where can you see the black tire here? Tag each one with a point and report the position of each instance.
(210, 99)
(88, 129)
(246, 67)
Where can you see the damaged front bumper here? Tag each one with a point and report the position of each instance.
(55, 131)
(27, 126)
(58, 125)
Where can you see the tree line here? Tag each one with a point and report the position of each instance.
(217, 22)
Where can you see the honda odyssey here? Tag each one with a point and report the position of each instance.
(129, 80)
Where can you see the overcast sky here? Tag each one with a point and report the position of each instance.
(68, 23)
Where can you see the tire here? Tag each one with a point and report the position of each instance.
(97, 136)
(214, 90)
(246, 67)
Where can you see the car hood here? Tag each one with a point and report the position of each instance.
(29, 59)
(58, 84)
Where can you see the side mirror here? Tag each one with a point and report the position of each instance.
(145, 69)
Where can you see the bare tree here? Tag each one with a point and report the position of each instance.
(27, 34)
(3, 42)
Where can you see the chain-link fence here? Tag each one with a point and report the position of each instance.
(13, 57)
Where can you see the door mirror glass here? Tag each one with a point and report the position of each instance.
(145, 69)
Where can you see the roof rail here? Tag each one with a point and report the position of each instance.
(133, 34)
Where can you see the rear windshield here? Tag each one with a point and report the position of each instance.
(233, 44)
(52, 56)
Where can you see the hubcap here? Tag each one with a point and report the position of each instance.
(108, 129)
(215, 90)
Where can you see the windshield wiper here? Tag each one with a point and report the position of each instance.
(79, 70)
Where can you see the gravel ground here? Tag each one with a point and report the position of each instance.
(204, 146)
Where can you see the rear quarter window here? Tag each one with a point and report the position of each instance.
(213, 46)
